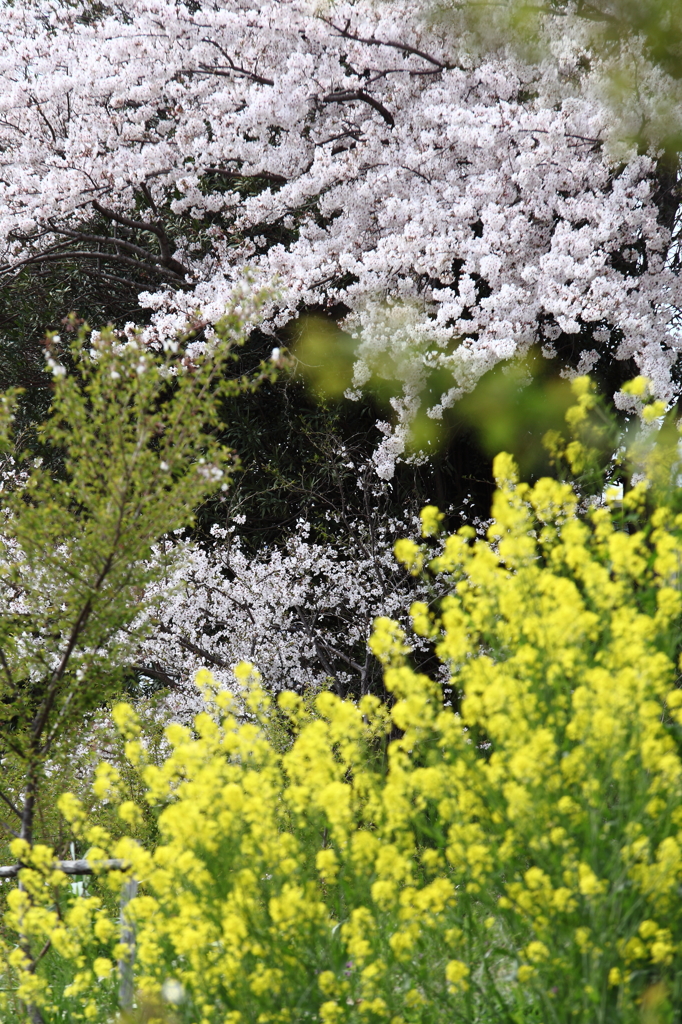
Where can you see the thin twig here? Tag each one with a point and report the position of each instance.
(11, 805)
(10, 831)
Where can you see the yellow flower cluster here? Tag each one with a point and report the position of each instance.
(512, 854)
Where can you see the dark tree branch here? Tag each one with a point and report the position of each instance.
(41, 718)
(201, 653)
(348, 95)
(261, 79)
(308, 627)
(350, 133)
(667, 196)
(344, 657)
(229, 72)
(345, 33)
(38, 107)
(156, 229)
(115, 279)
(7, 670)
(43, 951)
(157, 673)
(234, 176)
(118, 243)
(51, 257)
(588, 11)
(29, 800)
(144, 188)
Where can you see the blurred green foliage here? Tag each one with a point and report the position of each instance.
(513, 406)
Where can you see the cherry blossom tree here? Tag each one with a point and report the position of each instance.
(632, 47)
(449, 211)
(303, 612)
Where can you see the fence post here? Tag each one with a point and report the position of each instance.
(126, 964)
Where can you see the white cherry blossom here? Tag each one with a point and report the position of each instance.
(454, 210)
(301, 613)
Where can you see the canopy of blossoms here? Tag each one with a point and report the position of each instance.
(451, 211)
